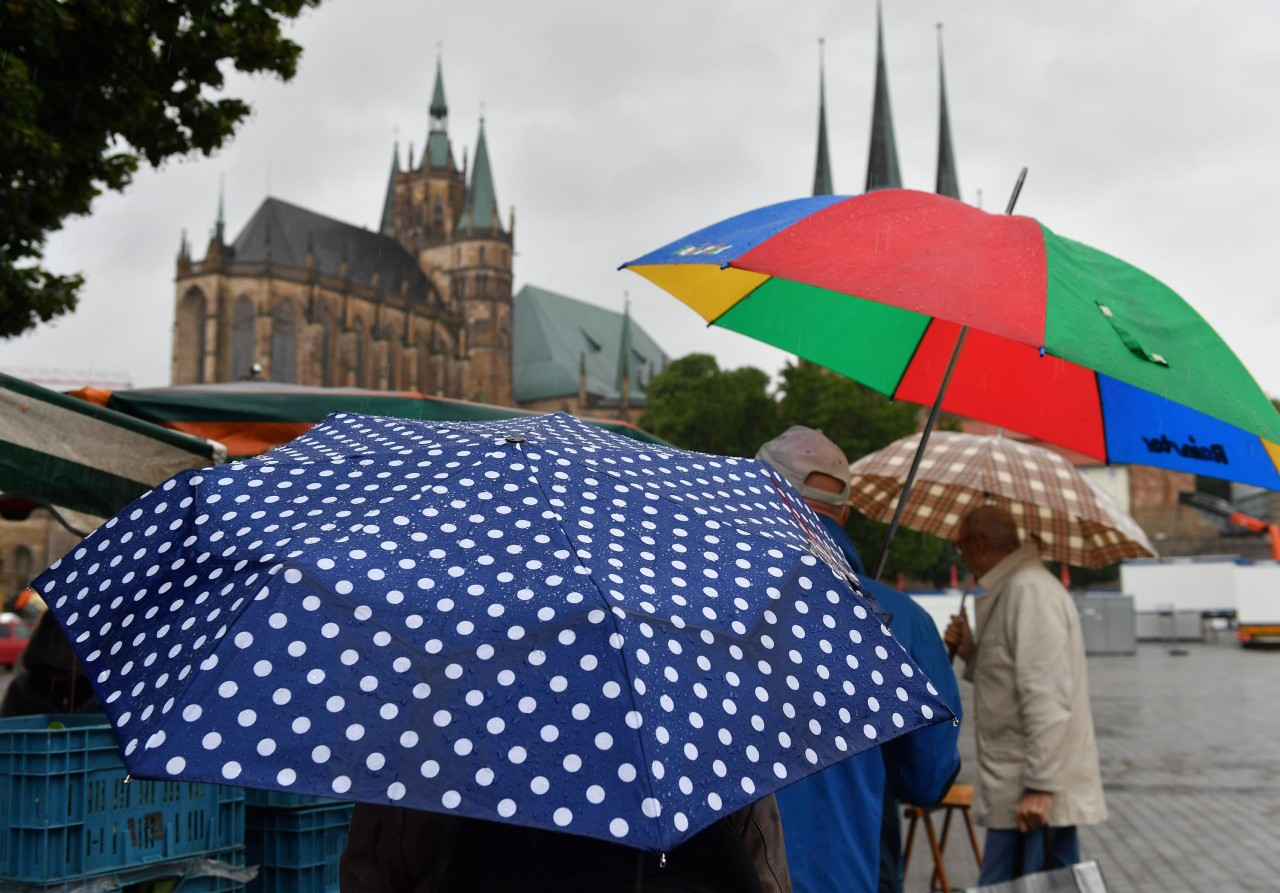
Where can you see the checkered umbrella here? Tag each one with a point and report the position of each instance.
(1075, 521)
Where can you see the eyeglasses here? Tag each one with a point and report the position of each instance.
(959, 544)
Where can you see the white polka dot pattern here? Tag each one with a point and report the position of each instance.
(530, 620)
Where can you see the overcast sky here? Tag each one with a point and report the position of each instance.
(1150, 129)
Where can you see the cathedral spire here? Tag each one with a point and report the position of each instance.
(219, 223)
(622, 381)
(480, 207)
(948, 183)
(438, 153)
(822, 184)
(389, 203)
(882, 163)
(439, 109)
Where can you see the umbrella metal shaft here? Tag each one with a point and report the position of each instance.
(933, 416)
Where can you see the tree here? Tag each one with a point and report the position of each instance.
(88, 90)
(698, 406)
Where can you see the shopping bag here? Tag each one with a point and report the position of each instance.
(1083, 877)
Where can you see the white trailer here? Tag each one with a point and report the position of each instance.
(1257, 590)
(1182, 585)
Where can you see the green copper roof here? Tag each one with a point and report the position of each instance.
(948, 182)
(480, 207)
(388, 204)
(439, 108)
(554, 335)
(625, 351)
(438, 153)
(882, 164)
(822, 184)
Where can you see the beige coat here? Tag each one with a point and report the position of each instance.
(1032, 718)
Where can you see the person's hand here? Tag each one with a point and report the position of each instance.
(1033, 810)
(959, 638)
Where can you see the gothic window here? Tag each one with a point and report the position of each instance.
(284, 343)
(242, 338)
(189, 339)
(361, 346)
(323, 347)
(437, 216)
(481, 254)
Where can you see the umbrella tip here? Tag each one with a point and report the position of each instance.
(515, 438)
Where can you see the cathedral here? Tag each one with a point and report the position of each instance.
(423, 304)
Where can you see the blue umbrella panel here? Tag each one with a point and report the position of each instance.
(527, 620)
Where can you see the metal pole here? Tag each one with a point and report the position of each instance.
(933, 416)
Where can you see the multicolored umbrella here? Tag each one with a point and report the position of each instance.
(1066, 344)
(1075, 521)
(528, 620)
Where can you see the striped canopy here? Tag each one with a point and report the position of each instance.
(58, 451)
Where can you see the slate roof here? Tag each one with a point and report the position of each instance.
(366, 252)
(552, 332)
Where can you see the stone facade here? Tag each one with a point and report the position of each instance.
(424, 304)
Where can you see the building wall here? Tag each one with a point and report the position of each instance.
(309, 329)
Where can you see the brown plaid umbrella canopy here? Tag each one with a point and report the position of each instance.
(1075, 521)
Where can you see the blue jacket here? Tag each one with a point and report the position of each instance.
(832, 820)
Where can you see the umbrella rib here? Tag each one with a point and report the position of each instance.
(751, 291)
(619, 653)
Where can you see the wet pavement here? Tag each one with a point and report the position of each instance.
(1190, 751)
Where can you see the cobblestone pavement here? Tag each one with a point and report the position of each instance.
(1190, 751)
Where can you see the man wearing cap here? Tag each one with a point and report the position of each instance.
(841, 825)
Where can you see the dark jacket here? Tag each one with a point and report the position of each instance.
(396, 850)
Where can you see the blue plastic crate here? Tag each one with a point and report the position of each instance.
(297, 850)
(284, 800)
(66, 811)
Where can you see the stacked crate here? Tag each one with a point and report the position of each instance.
(296, 841)
(68, 814)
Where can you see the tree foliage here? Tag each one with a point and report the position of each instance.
(90, 89)
(698, 406)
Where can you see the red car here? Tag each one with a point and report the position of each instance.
(14, 636)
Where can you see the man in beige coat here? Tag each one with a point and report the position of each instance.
(1038, 772)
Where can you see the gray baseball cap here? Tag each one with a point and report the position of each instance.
(799, 451)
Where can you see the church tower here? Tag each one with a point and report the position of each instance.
(421, 303)
(424, 201)
(482, 282)
(453, 231)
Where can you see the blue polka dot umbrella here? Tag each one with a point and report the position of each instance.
(527, 620)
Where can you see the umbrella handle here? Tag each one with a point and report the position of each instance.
(964, 594)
